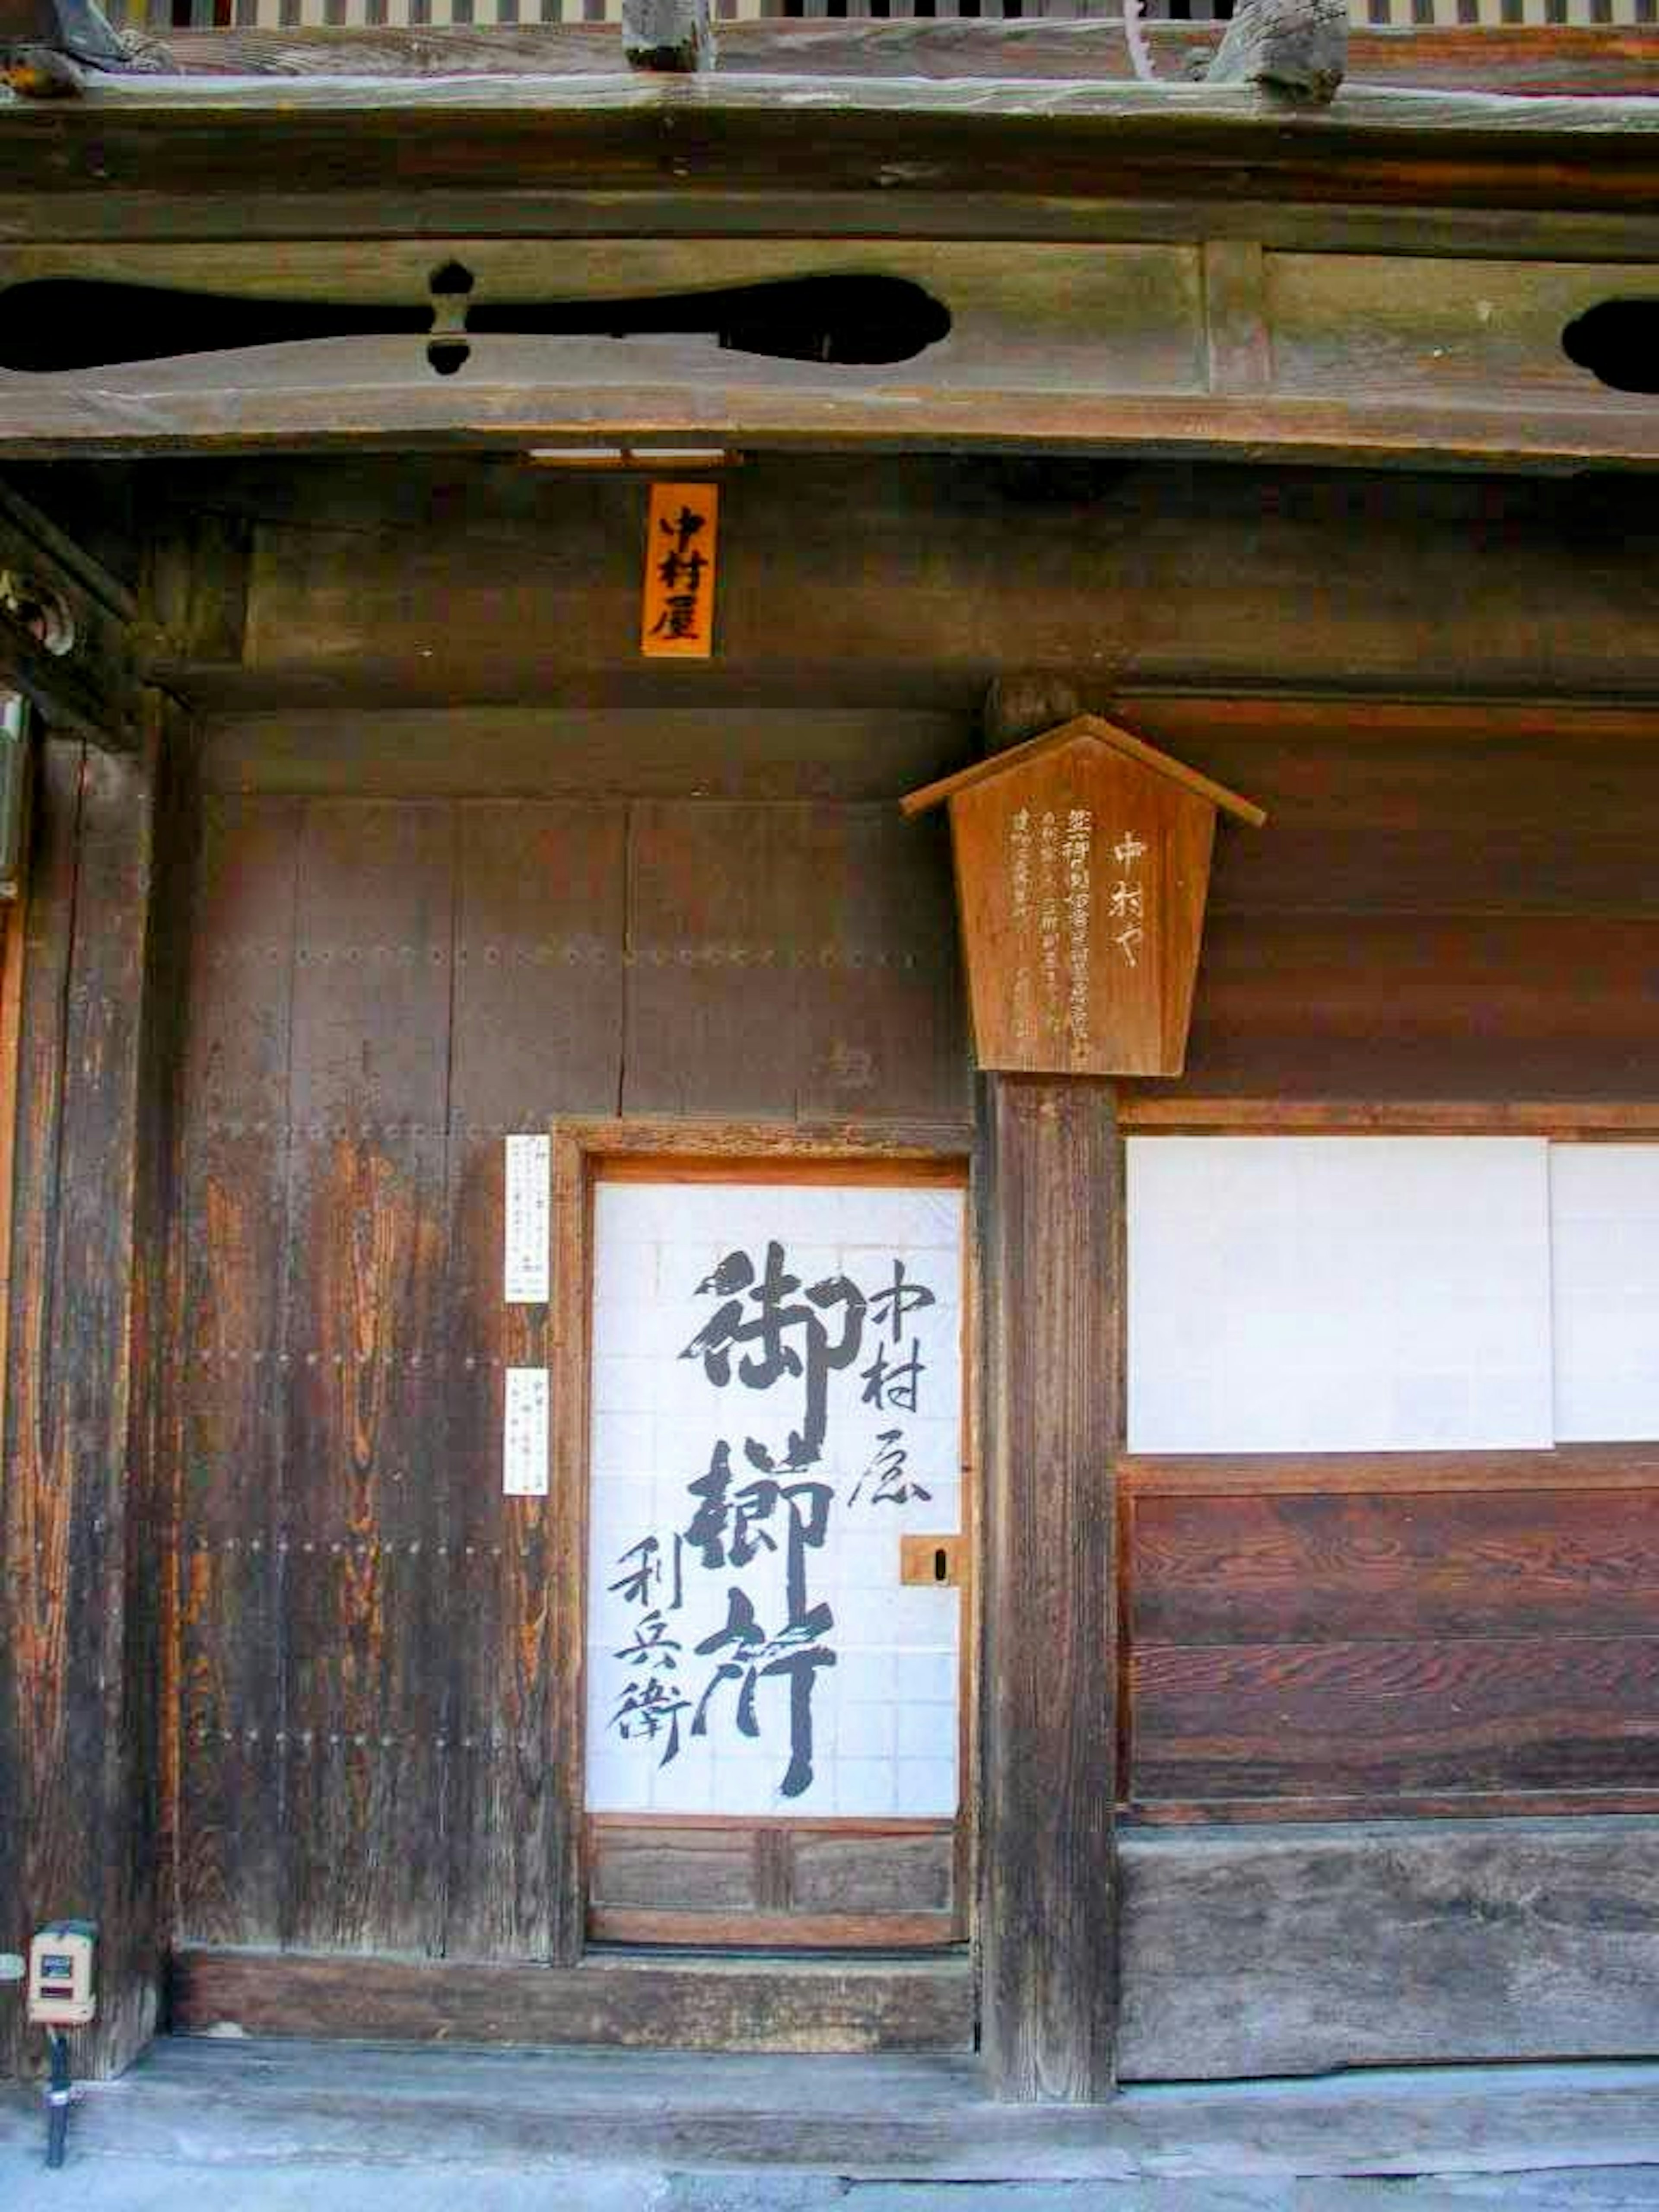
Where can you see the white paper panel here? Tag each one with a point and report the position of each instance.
(1604, 1207)
(524, 1432)
(873, 1666)
(1338, 1294)
(527, 1220)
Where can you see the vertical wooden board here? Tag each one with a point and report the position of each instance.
(724, 919)
(232, 1566)
(34, 1855)
(80, 1601)
(367, 1559)
(537, 1034)
(1052, 1198)
(885, 1016)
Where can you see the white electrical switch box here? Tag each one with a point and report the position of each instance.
(60, 1991)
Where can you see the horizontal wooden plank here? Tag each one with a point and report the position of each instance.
(756, 133)
(1480, 1009)
(701, 2005)
(668, 750)
(1612, 1120)
(1271, 1474)
(1302, 1569)
(1532, 58)
(832, 1873)
(1313, 1950)
(1383, 1718)
(1420, 1805)
(777, 1931)
(363, 399)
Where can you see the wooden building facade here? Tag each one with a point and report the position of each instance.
(1275, 1728)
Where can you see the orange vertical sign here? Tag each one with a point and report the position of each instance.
(679, 571)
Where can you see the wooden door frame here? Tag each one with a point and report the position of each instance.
(582, 1151)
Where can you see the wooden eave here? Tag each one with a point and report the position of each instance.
(135, 142)
(1083, 730)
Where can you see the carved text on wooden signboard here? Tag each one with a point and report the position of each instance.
(1082, 861)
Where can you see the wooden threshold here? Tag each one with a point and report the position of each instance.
(749, 2004)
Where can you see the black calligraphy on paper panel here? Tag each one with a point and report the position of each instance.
(767, 1332)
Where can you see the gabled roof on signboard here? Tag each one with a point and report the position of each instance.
(1083, 730)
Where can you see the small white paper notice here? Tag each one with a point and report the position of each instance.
(524, 1435)
(529, 1171)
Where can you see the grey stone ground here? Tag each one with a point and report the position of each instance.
(100, 2182)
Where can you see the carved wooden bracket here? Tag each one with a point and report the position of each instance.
(65, 632)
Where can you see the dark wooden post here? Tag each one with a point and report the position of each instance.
(1050, 1224)
(79, 1599)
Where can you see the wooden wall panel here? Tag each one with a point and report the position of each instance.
(790, 962)
(369, 1608)
(537, 1032)
(1390, 1641)
(790, 1885)
(1220, 1570)
(378, 1661)
(78, 1602)
(1313, 1948)
(1371, 1720)
(1500, 1006)
(233, 1478)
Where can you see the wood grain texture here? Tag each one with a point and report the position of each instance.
(1090, 574)
(840, 1885)
(1478, 1008)
(1313, 1950)
(1085, 965)
(1394, 1717)
(1533, 57)
(371, 1595)
(925, 2005)
(1226, 1570)
(80, 1593)
(1050, 1226)
(234, 1481)
(614, 752)
(791, 961)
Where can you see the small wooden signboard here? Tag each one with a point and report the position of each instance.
(682, 529)
(1082, 863)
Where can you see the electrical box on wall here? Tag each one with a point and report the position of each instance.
(60, 1984)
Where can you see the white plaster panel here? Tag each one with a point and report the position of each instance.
(1604, 1210)
(1338, 1294)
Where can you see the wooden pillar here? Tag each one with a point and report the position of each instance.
(79, 1515)
(1050, 1209)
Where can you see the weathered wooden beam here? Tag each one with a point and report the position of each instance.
(1294, 49)
(1051, 1214)
(729, 2004)
(65, 638)
(78, 1689)
(1050, 1234)
(1309, 1948)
